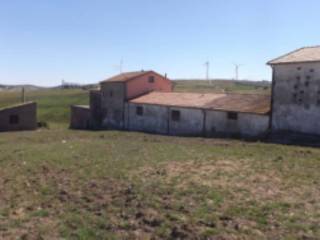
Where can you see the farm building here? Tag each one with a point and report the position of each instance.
(195, 114)
(19, 117)
(296, 92)
(144, 101)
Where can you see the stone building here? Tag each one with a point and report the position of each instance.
(144, 101)
(19, 117)
(296, 92)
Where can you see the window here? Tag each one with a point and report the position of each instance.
(111, 93)
(14, 119)
(295, 96)
(175, 116)
(232, 115)
(151, 79)
(306, 83)
(139, 111)
(298, 78)
(311, 70)
(298, 68)
(308, 77)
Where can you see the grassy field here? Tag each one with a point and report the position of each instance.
(53, 105)
(218, 86)
(62, 184)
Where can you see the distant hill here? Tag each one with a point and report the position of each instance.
(222, 85)
(28, 87)
(16, 88)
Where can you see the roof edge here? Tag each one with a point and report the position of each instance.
(129, 79)
(133, 78)
(272, 62)
(17, 105)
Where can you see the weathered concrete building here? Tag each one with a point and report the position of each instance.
(19, 117)
(107, 105)
(195, 114)
(144, 101)
(296, 92)
(116, 91)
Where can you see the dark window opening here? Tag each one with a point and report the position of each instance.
(151, 79)
(311, 70)
(300, 101)
(298, 68)
(232, 115)
(318, 102)
(14, 119)
(308, 77)
(139, 111)
(298, 78)
(296, 86)
(301, 92)
(175, 115)
(111, 93)
(306, 83)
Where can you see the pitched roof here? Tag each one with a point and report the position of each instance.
(306, 54)
(247, 103)
(126, 76)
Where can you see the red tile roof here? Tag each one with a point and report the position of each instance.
(127, 76)
(306, 54)
(247, 103)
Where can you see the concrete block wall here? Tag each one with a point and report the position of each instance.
(80, 117)
(246, 124)
(195, 122)
(191, 122)
(113, 95)
(20, 117)
(154, 119)
(296, 98)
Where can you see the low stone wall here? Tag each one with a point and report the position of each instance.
(19, 117)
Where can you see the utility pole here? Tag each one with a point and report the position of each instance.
(23, 97)
(121, 65)
(236, 68)
(207, 65)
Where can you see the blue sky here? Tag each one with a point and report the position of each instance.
(44, 41)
